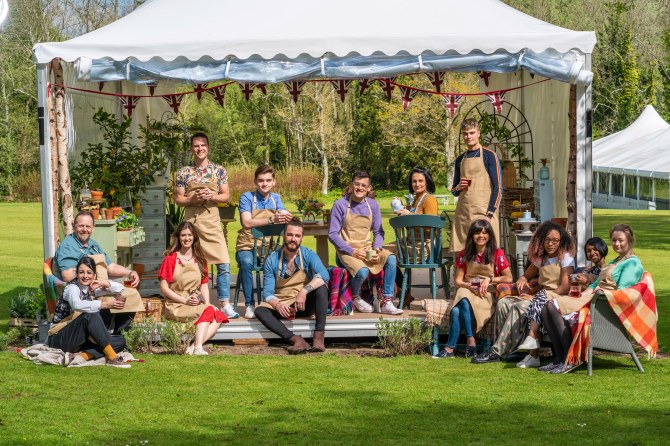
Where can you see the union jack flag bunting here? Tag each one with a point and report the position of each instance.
(262, 87)
(485, 75)
(408, 94)
(387, 86)
(101, 85)
(452, 102)
(247, 89)
(152, 88)
(341, 87)
(129, 103)
(294, 89)
(497, 100)
(199, 88)
(218, 93)
(436, 78)
(174, 101)
(365, 84)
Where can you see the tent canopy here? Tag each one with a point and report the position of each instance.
(271, 41)
(641, 149)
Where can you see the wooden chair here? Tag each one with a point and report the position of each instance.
(266, 240)
(419, 246)
(608, 333)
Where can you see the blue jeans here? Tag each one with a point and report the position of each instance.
(223, 281)
(245, 262)
(461, 316)
(389, 277)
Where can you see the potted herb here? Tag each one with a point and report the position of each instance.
(126, 221)
(26, 306)
(309, 207)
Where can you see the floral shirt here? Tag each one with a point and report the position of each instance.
(212, 173)
(500, 262)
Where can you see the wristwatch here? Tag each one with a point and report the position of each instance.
(309, 288)
(489, 214)
(270, 220)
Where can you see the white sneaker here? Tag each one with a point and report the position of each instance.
(249, 313)
(389, 308)
(530, 343)
(229, 311)
(529, 363)
(190, 349)
(199, 351)
(362, 305)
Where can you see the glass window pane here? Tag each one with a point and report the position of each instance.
(617, 185)
(631, 186)
(646, 188)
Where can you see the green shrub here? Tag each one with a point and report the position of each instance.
(173, 337)
(404, 336)
(176, 336)
(143, 337)
(28, 303)
(8, 338)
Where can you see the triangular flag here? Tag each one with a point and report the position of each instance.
(485, 75)
(247, 89)
(129, 103)
(294, 89)
(199, 88)
(262, 87)
(218, 93)
(152, 88)
(174, 101)
(408, 94)
(497, 100)
(341, 87)
(101, 85)
(452, 102)
(365, 84)
(436, 78)
(388, 86)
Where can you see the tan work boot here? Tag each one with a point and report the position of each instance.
(318, 345)
(298, 345)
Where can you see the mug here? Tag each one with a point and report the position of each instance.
(369, 254)
(396, 204)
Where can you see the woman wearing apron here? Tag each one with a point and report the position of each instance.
(183, 282)
(259, 208)
(479, 267)
(200, 187)
(623, 272)
(477, 186)
(550, 252)
(354, 218)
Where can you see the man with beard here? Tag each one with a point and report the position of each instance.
(294, 285)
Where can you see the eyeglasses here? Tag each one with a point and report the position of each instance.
(552, 241)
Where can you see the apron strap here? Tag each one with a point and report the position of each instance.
(281, 258)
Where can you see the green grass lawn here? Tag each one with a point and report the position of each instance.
(330, 399)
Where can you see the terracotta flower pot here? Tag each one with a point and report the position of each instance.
(96, 213)
(96, 195)
(113, 212)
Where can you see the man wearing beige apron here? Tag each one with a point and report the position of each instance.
(259, 208)
(477, 185)
(354, 219)
(199, 188)
(294, 285)
(79, 244)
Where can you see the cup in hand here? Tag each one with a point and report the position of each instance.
(396, 204)
(128, 281)
(120, 298)
(476, 282)
(370, 254)
(291, 313)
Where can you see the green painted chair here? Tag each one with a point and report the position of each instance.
(266, 240)
(419, 246)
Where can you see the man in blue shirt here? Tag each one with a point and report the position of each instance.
(294, 284)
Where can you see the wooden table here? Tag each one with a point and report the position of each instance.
(320, 232)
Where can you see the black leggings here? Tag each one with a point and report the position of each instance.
(316, 303)
(559, 331)
(86, 333)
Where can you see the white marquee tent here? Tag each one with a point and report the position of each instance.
(631, 168)
(169, 42)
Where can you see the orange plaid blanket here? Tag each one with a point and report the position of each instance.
(636, 309)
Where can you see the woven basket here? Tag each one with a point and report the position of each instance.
(153, 308)
(511, 194)
(508, 174)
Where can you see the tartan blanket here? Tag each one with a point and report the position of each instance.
(509, 289)
(339, 284)
(636, 309)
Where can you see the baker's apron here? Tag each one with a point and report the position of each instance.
(205, 218)
(287, 289)
(133, 299)
(356, 232)
(473, 202)
(482, 307)
(245, 239)
(416, 250)
(185, 281)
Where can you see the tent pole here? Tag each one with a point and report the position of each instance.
(584, 168)
(48, 235)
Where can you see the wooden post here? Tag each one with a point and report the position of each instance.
(571, 185)
(61, 139)
(54, 164)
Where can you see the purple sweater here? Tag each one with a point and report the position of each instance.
(338, 214)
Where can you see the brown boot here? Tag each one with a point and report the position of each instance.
(318, 346)
(298, 345)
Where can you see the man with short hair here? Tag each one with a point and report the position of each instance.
(79, 244)
(294, 285)
(258, 208)
(199, 188)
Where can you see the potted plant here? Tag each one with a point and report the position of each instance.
(309, 207)
(25, 307)
(126, 221)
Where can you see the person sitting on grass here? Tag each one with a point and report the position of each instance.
(551, 255)
(183, 282)
(77, 326)
(479, 267)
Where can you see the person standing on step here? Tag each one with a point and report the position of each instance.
(294, 285)
(259, 208)
(353, 220)
(477, 185)
(200, 187)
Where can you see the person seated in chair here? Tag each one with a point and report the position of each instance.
(259, 208)
(353, 220)
(77, 326)
(80, 244)
(479, 267)
(294, 285)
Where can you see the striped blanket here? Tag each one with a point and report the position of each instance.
(636, 309)
(340, 303)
